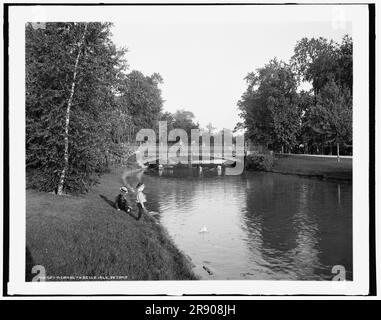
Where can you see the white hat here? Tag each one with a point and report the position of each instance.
(123, 189)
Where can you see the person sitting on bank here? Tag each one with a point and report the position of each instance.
(121, 202)
(140, 199)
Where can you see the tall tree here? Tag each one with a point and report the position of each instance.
(275, 113)
(184, 119)
(169, 117)
(344, 75)
(318, 61)
(328, 66)
(140, 97)
(72, 71)
(67, 117)
(331, 117)
(269, 106)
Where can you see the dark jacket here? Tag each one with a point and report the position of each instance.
(121, 202)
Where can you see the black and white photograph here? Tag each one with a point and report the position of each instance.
(189, 149)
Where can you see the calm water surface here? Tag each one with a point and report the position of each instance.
(262, 226)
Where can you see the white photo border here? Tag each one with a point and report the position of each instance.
(356, 14)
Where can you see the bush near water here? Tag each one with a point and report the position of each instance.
(259, 161)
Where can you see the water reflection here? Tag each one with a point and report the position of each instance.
(260, 225)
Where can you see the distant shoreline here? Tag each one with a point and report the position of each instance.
(325, 168)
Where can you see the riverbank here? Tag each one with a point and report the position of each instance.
(315, 167)
(79, 236)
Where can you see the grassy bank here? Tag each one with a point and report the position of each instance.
(86, 236)
(325, 168)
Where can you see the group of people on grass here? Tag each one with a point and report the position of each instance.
(122, 201)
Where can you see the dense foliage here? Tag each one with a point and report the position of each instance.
(83, 109)
(75, 79)
(141, 102)
(181, 119)
(259, 161)
(279, 116)
(270, 105)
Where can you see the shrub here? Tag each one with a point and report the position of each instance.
(259, 161)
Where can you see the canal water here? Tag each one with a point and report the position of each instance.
(258, 225)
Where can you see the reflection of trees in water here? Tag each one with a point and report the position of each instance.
(191, 187)
(334, 218)
(269, 210)
(170, 190)
(296, 226)
(327, 219)
(305, 254)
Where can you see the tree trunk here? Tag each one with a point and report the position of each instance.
(67, 119)
(338, 152)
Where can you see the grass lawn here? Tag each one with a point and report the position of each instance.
(327, 168)
(86, 236)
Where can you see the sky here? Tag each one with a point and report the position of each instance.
(203, 55)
